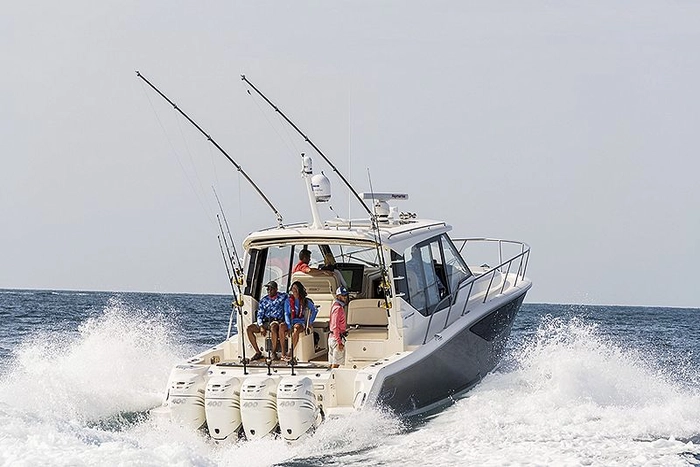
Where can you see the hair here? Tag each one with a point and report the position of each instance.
(302, 293)
(304, 254)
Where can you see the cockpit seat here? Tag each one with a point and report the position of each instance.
(367, 319)
(321, 289)
(367, 330)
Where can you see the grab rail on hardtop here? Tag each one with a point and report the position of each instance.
(522, 258)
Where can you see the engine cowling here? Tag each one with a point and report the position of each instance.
(259, 406)
(186, 395)
(223, 407)
(297, 409)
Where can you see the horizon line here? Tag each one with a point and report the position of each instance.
(225, 294)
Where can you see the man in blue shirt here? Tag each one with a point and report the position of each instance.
(270, 317)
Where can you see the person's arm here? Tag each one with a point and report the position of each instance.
(302, 267)
(287, 314)
(318, 272)
(331, 321)
(261, 312)
(336, 312)
(342, 323)
(285, 300)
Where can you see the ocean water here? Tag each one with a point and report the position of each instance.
(579, 385)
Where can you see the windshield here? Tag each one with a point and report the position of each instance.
(355, 266)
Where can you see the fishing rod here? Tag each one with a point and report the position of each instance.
(235, 278)
(233, 290)
(216, 145)
(306, 138)
(238, 268)
(235, 305)
(372, 214)
(378, 241)
(235, 275)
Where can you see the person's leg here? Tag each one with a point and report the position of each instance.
(332, 348)
(252, 329)
(339, 356)
(274, 330)
(283, 338)
(298, 328)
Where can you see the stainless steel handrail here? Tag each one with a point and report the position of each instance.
(523, 258)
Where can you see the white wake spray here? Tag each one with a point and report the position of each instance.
(63, 390)
(337, 441)
(574, 398)
(117, 362)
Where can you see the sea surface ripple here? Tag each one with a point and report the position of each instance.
(579, 385)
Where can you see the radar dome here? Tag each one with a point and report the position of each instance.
(321, 187)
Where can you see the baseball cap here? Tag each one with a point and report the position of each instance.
(272, 284)
(341, 291)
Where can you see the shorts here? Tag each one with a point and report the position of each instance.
(335, 355)
(266, 325)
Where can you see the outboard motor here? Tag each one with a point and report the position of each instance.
(223, 406)
(297, 409)
(259, 406)
(186, 395)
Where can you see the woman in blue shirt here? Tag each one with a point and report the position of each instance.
(299, 313)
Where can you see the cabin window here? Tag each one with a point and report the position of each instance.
(398, 266)
(265, 265)
(455, 269)
(277, 266)
(351, 263)
(432, 271)
(255, 262)
(424, 286)
(318, 254)
(355, 266)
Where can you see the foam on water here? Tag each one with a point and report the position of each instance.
(115, 362)
(73, 398)
(573, 398)
(569, 396)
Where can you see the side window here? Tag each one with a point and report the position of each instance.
(416, 279)
(256, 263)
(398, 267)
(455, 269)
(424, 265)
(316, 256)
(432, 286)
(439, 267)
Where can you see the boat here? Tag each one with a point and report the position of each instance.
(429, 316)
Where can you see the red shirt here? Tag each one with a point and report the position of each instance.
(301, 267)
(338, 325)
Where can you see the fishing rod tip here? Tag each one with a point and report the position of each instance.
(243, 77)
